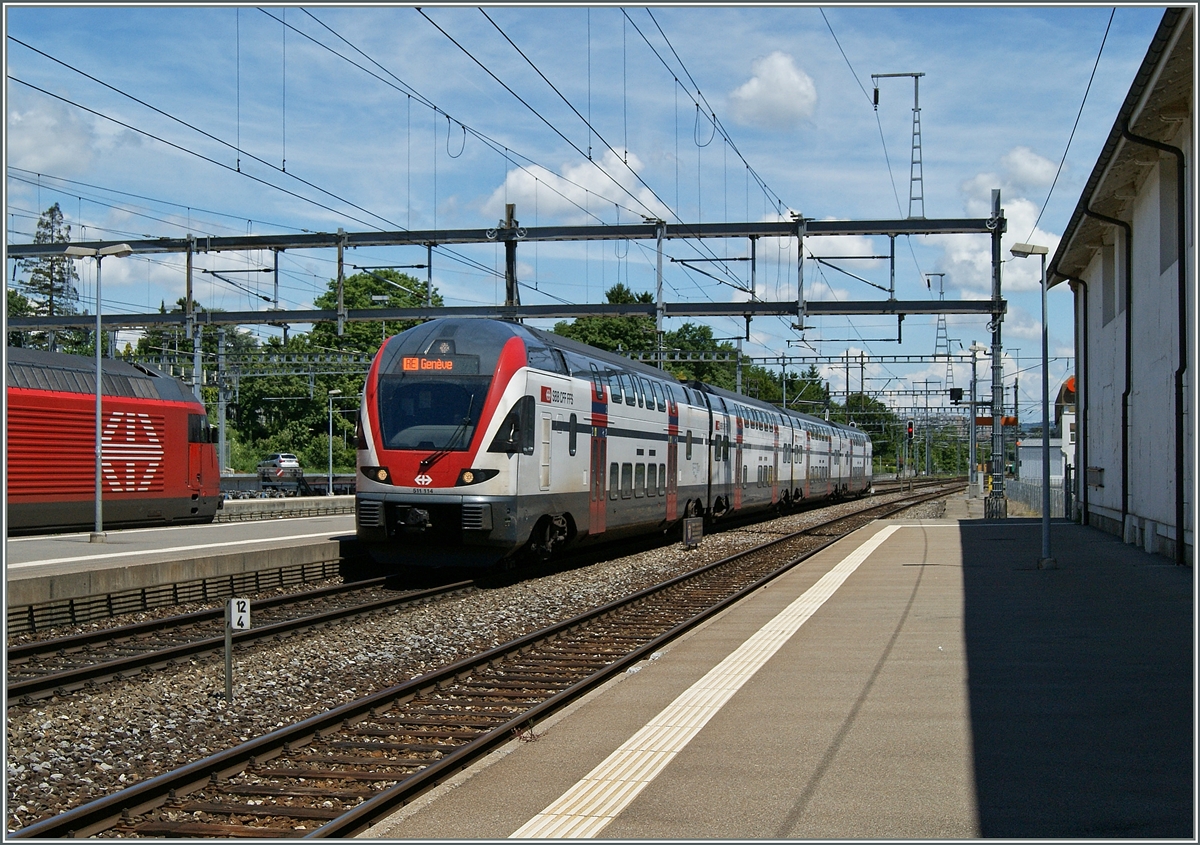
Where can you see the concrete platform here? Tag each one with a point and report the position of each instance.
(945, 688)
(61, 567)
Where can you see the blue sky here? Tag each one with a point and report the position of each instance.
(1000, 93)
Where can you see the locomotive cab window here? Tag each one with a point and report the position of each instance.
(199, 430)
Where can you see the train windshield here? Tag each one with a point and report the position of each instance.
(419, 412)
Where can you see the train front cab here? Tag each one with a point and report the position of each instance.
(443, 421)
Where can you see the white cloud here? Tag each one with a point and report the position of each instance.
(50, 138)
(1027, 169)
(967, 261)
(587, 186)
(778, 96)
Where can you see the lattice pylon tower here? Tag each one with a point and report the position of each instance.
(941, 346)
(916, 180)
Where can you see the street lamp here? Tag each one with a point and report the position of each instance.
(1046, 561)
(381, 300)
(332, 393)
(119, 250)
(976, 349)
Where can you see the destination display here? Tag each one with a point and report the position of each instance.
(446, 364)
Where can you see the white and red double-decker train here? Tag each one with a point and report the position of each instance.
(482, 439)
(159, 466)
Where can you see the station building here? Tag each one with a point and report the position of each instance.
(1128, 254)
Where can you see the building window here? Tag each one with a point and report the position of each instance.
(1168, 213)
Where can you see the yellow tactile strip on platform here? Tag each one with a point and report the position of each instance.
(588, 806)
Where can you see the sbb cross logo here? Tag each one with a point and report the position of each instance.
(546, 394)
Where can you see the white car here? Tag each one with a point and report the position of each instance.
(280, 460)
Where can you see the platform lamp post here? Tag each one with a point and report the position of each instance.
(332, 393)
(119, 250)
(976, 350)
(1046, 561)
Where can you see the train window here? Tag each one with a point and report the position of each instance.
(745, 476)
(615, 394)
(658, 399)
(662, 479)
(198, 429)
(630, 394)
(726, 448)
(573, 435)
(689, 446)
(614, 479)
(639, 481)
(687, 396)
(651, 479)
(639, 387)
(543, 358)
(597, 384)
(515, 434)
(626, 481)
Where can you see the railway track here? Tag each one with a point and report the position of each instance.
(59, 666)
(336, 773)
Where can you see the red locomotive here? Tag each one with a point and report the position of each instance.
(159, 465)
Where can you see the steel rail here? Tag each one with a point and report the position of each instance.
(59, 683)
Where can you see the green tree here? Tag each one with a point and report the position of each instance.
(18, 305)
(52, 279)
(614, 334)
(401, 290)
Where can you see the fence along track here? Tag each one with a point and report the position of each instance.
(337, 773)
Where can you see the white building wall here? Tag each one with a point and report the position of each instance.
(1104, 380)
(1155, 351)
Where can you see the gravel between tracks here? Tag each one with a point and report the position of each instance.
(63, 752)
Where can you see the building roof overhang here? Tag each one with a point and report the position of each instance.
(1160, 98)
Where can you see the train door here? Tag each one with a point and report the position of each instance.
(802, 460)
(672, 455)
(774, 479)
(721, 467)
(598, 451)
(199, 434)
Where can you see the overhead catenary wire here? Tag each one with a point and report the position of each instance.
(1078, 115)
(405, 88)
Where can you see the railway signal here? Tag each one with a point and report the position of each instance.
(910, 430)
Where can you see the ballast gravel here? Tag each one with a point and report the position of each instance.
(64, 752)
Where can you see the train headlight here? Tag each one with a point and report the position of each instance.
(475, 476)
(379, 474)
